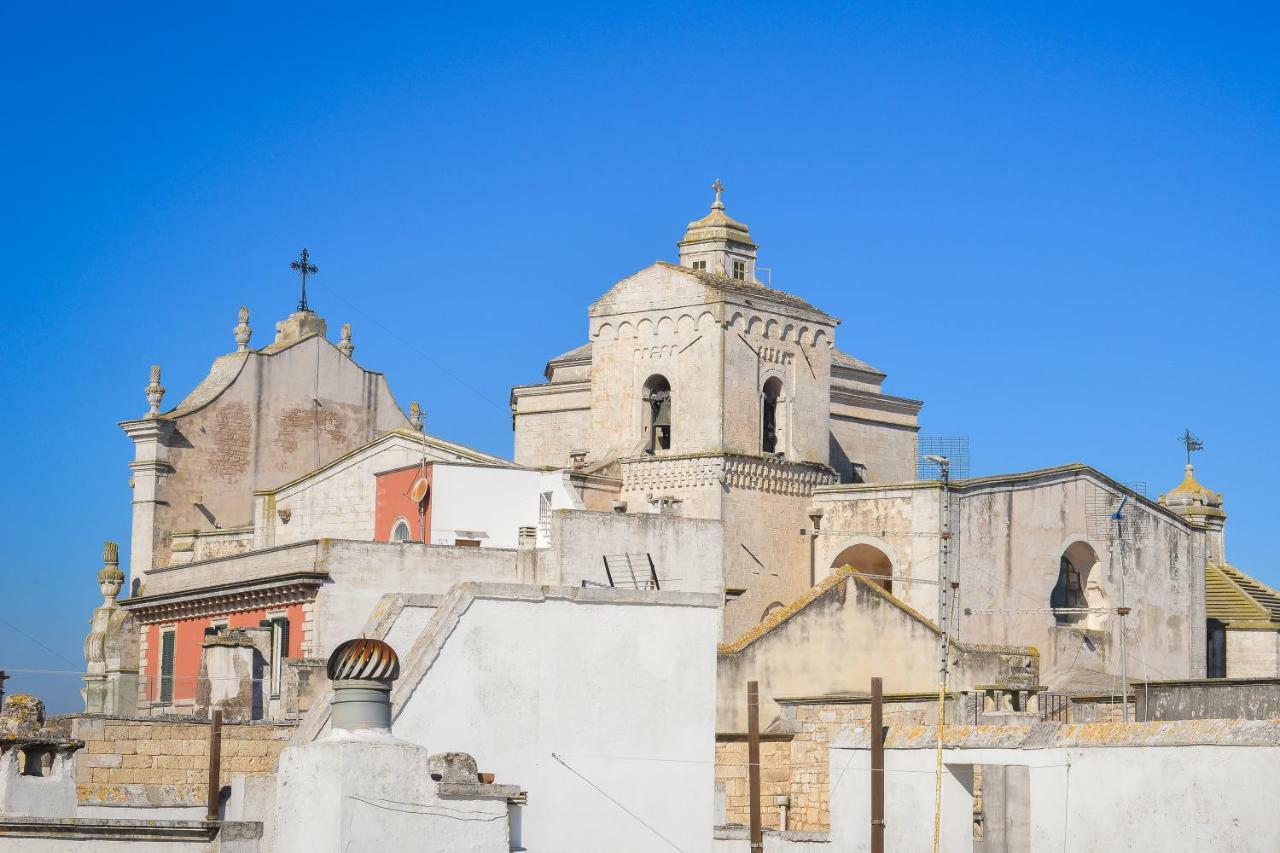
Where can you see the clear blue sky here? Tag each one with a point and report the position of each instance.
(1058, 228)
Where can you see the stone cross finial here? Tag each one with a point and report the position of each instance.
(415, 416)
(242, 330)
(155, 391)
(344, 344)
(718, 204)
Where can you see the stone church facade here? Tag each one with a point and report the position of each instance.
(705, 393)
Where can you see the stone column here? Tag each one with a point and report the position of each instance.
(111, 649)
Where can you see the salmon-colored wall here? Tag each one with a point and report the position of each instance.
(392, 502)
(189, 640)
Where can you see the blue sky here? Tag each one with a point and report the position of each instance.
(1057, 227)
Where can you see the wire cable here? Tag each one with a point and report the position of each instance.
(606, 795)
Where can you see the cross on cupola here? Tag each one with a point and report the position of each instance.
(304, 268)
(719, 244)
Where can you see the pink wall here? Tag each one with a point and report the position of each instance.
(392, 502)
(189, 640)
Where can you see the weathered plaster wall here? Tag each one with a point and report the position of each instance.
(847, 633)
(361, 572)
(619, 685)
(687, 552)
(871, 451)
(1010, 535)
(266, 428)
(1146, 787)
(1218, 698)
(1253, 654)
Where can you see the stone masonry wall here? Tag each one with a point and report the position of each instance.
(164, 762)
(775, 780)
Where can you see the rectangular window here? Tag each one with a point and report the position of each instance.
(467, 543)
(740, 270)
(700, 265)
(279, 649)
(167, 639)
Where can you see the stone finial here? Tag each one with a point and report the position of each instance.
(718, 204)
(242, 330)
(110, 578)
(155, 391)
(415, 416)
(344, 343)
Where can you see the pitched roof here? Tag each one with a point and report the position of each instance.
(743, 287)
(843, 359)
(1233, 597)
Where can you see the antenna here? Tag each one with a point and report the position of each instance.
(1110, 516)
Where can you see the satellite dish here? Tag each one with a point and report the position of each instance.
(419, 490)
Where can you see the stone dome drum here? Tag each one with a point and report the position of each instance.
(363, 659)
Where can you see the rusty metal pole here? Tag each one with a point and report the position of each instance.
(753, 764)
(215, 764)
(877, 765)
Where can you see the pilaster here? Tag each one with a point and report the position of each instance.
(150, 463)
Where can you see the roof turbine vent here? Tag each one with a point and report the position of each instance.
(362, 671)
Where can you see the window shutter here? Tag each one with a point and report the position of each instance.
(166, 667)
(283, 624)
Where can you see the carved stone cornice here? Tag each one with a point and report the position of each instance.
(659, 474)
(295, 588)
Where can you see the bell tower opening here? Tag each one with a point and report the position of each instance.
(657, 426)
(770, 397)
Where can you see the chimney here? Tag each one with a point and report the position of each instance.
(526, 555)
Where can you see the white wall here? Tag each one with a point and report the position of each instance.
(494, 501)
(1082, 799)
(623, 692)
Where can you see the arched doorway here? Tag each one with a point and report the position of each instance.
(867, 560)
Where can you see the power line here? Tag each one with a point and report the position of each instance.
(37, 642)
(606, 795)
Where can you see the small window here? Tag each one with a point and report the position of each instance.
(700, 265)
(279, 625)
(740, 270)
(167, 639)
(467, 543)
(400, 531)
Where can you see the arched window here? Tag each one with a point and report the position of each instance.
(1077, 586)
(866, 560)
(777, 605)
(770, 396)
(657, 413)
(400, 531)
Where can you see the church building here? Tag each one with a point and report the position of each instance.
(705, 393)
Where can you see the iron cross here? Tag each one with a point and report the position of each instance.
(305, 268)
(1191, 443)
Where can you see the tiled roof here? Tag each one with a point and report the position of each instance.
(843, 359)
(719, 281)
(1233, 597)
